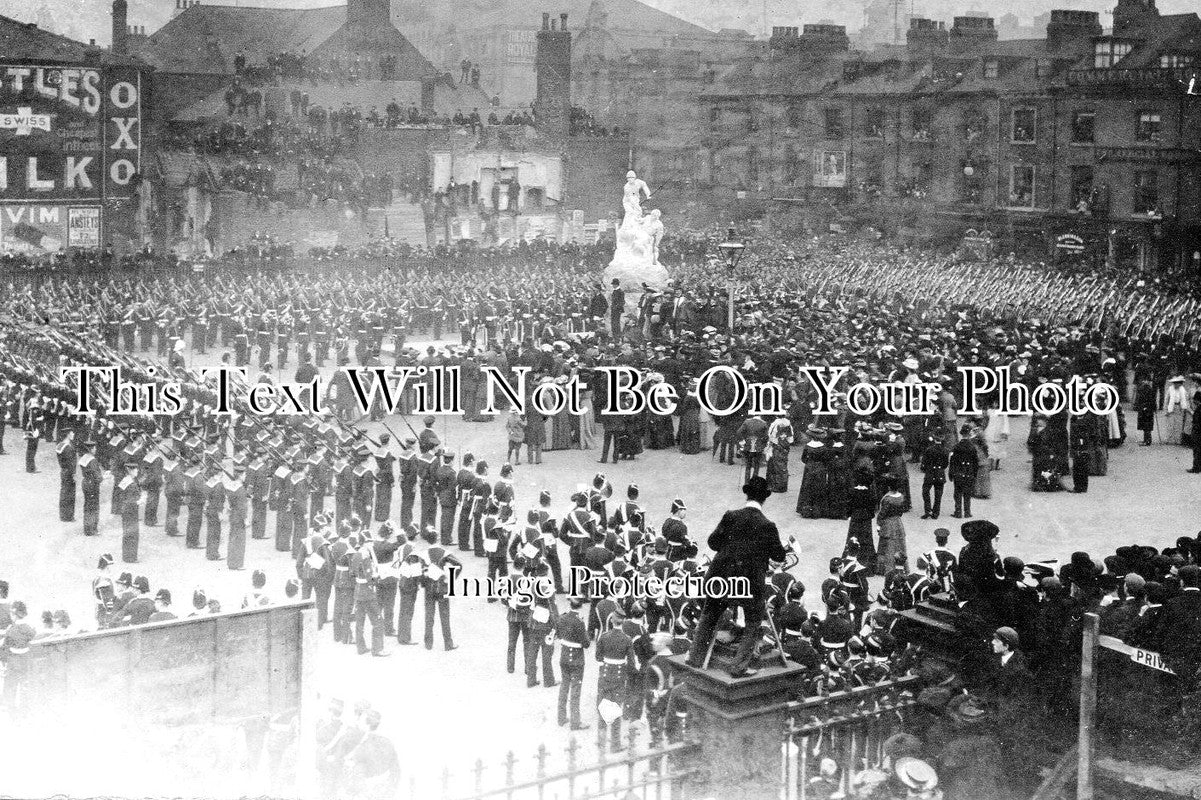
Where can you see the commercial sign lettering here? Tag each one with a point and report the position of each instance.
(69, 133)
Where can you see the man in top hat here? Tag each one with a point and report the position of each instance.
(744, 541)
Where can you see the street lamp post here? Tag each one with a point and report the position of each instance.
(731, 250)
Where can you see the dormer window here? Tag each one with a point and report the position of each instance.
(1175, 61)
(1108, 52)
(992, 68)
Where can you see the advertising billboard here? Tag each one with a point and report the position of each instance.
(39, 228)
(69, 133)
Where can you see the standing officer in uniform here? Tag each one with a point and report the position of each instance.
(385, 479)
(427, 474)
(541, 640)
(152, 483)
(445, 485)
(436, 583)
(89, 468)
(366, 602)
(573, 640)
(465, 487)
(131, 496)
(67, 462)
(33, 434)
(408, 481)
(315, 566)
(412, 567)
(213, 505)
(196, 495)
(385, 547)
(258, 488)
(235, 498)
(340, 553)
(613, 649)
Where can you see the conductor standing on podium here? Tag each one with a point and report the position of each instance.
(744, 542)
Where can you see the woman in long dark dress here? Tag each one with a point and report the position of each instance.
(562, 425)
(1044, 471)
(815, 479)
(891, 550)
(779, 445)
(660, 432)
(535, 429)
(861, 503)
(838, 476)
(690, 424)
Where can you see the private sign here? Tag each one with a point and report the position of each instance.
(1147, 658)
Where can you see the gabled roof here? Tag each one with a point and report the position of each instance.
(205, 39)
(1173, 32)
(25, 41)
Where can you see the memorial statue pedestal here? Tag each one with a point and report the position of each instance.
(740, 724)
(633, 273)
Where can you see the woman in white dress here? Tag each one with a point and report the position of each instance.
(1175, 403)
(996, 433)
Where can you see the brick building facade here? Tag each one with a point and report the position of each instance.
(1076, 138)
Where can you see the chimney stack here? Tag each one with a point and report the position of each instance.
(968, 33)
(562, 22)
(120, 44)
(1068, 28)
(552, 68)
(925, 37)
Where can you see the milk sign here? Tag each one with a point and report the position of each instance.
(69, 133)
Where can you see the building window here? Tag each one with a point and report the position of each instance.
(921, 123)
(1107, 53)
(752, 165)
(992, 68)
(834, 128)
(1146, 193)
(715, 114)
(1175, 60)
(1021, 186)
(873, 123)
(1149, 126)
(1083, 127)
(975, 123)
(1023, 128)
(924, 179)
(972, 180)
(794, 116)
(1082, 190)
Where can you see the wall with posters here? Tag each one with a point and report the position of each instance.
(70, 143)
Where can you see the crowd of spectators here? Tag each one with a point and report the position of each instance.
(584, 124)
(291, 66)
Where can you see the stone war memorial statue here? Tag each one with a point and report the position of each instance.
(636, 261)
